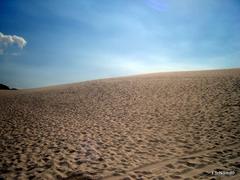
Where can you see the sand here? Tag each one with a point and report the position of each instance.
(179, 125)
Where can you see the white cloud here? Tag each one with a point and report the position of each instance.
(7, 40)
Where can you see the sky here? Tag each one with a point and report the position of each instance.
(53, 42)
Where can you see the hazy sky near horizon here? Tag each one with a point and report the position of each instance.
(52, 42)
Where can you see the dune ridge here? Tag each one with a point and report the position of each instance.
(179, 125)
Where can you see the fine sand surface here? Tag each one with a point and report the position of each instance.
(179, 125)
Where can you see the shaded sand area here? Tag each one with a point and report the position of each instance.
(180, 125)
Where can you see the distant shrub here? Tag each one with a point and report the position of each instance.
(4, 87)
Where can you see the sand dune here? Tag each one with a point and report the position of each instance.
(181, 125)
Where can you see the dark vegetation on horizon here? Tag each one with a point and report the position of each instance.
(4, 87)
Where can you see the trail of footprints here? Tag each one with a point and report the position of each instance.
(200, 165)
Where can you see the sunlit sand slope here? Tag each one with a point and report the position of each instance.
(157, 126)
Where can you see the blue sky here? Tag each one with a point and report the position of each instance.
(77, 40)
